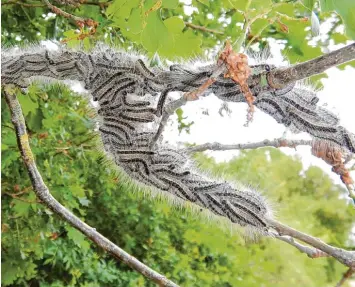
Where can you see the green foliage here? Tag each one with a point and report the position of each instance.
(144, 24)
(159, 26)
(346, 10)
(309, 4)
(181, 124)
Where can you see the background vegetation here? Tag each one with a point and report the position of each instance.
(38, 249)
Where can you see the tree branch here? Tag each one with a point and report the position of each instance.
(22, 4)
(282, 77)
(60, 12)
(265, 143)
(343, 256)
(189, 96)
(44, 195)
(335, 158)
(345, 277)
(204, 29)
(100, 4)
(81, 22)
(15, 196)
(310, 251)
(169, 109)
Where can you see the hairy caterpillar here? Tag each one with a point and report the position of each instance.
(131, 99)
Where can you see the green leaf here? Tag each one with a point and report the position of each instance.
(174, 25)
(120, 10)
(114, 9)
(34, 120)
(135, 24)
(78, 238)
(8, 159)
(155, 34)
(8, 273)
(71, 38)
(21, 208)
(345, 9)
(180, 44)
(86, 44)
(236, 4)
(27, 104)
(49, 122)
(339, 38)
(309, 4)
(179, 113)
(77, 190)
(181, 124)
(205, 2)
(327, 5)
(170, 4)
(4, 147)
(260, 4)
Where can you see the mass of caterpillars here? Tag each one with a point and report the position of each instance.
(131, 98)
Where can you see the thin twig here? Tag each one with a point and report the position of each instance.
(43, 194)
(343, 256)
(334, 157)
(78, 20)
(60, 12)
(6, 126)
(189, 96)
(248, 22)
(73, 3)
(204, 29)
(100, 4)
(15, 196)
(169, 109)
(265, 143)
(256, 37)
(345, 277)
(310, 251)
(22, 4)
(193, 95)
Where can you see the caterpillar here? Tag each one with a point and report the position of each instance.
(130, 102)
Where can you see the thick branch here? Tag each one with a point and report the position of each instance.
(280, 78)
(204, 29)
(44, 195)
(266, 143)
(343, 256)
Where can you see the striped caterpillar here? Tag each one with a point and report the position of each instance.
(131, 98)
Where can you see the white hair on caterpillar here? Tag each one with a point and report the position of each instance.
(130, 98)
